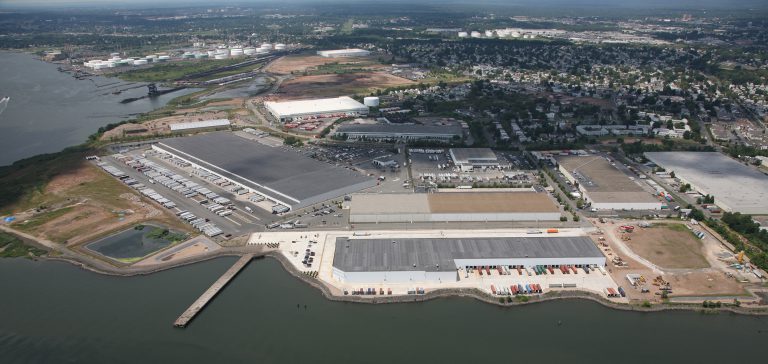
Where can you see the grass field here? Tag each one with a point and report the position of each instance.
(176, 70)
(669, 246)
(13, 247)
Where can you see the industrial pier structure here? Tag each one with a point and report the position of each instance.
(364, 260)
(282, 176)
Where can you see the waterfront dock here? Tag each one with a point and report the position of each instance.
(212, 291)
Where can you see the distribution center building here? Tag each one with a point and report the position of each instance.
(283, 176)
(331, 107)
(469, 158)
(452, 206)
(339, 53)
(736, 187)
(407, 260)
(604, 186)
(405, 132)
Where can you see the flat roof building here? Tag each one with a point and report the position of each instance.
(452, 206)
(468, 158)
(197, 125)
(604, 186)
(349, 52)
(404, 260)
(736, 187)
(330, 107)
(381, 131)
(281, 175)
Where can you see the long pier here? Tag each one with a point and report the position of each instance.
(212, 291)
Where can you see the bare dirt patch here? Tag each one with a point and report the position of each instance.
(292, 64)
(669, 246)
(339, 84)
(712, 283)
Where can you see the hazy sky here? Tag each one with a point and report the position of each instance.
(694, 4)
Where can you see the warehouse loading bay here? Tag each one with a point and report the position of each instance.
(313, 252)
(434, 167)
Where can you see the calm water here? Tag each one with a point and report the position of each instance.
(55, 312)
(129, 243)
(50, 110)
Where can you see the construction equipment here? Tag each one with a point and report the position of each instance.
(740, 257)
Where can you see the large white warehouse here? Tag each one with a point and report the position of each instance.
(338, 53)
(409, 260)
(331, 107)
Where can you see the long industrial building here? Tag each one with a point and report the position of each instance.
(452, 206)
(736, 187)
(283, 176)
(340, 53)
(407, 260)
(403, 132)
(315, 108)
(604, 186)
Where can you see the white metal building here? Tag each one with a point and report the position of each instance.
(330, 107)
(205, 124)
(349, 52)
(469, 158)
(404, 260)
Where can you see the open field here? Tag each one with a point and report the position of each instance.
(669, 246)
(297, 64)
(172, 71)
(331, 85)
(699, 284)
(85, 203)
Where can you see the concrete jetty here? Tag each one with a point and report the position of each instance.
(211, 292)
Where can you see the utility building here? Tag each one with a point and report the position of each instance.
(470, 158)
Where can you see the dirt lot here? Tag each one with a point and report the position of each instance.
(161, 125)
(671, 246)
(712, 283)
(288, 64)
(86, 203)
(338, 84)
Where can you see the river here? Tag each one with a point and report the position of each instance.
(56, 312)
(51, 110)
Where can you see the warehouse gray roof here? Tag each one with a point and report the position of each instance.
(400, 129)
(736, 187)
(438, 254)
(266, 168)
(466, 154)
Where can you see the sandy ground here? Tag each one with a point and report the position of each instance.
(196, 246)
(287, 65)
(712, 278)
(668, 248)
(95, 203)
(338, 84)
(161, 125)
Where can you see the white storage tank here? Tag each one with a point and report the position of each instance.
(221, 56)
(279, 46)
(266, 45)
(211, 54)
(249, 51)
(140, 62)
(371, 101)
(236, 52)
(463, 34)
(476, 34)
(163, 58)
